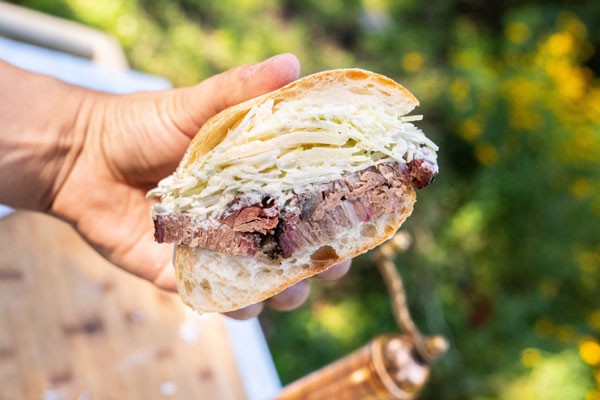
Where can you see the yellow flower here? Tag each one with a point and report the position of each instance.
(560, 43)
(589, 351)
(518, 32)
(522, 95)
(530, 357)
(521, 118)
(588, 262)
(459, 89)
(592, 395)
(470, 129)
(581, 188)
(571, 81)
(413, 61)
(486, 154)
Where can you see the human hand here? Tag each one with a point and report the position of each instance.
(126, 144)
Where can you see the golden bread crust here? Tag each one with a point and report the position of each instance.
(215, 129)
(202, 293)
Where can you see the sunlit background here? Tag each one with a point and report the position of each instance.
(506, 254)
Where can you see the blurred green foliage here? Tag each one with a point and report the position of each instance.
(506, 254)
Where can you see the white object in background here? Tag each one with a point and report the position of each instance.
(256, 367)
(26, 25)
(77, 70)
(4, 211)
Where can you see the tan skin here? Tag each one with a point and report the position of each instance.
(89, 158)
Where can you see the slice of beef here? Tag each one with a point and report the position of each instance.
(420, 173)
(182, 229)
(261, 218)
(309, 218)
(357, 198)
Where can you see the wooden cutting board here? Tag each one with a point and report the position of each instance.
(73, 326)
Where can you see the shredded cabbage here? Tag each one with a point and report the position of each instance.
(282, 147)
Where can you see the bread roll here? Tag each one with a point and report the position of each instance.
(279, 188)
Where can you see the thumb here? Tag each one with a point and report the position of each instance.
(192, 107)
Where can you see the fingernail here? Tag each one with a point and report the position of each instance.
(288, 60)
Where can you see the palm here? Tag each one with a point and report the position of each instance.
(130, 143)
(120, 161)
(141, 141)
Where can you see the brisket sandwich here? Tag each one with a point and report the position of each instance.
(281, 187)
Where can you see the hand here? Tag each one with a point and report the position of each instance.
(126, 144)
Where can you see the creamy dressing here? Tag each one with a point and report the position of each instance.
(284, 147)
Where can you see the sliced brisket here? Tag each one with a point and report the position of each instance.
(261, 218)
(341, 204)
(182, 229)
(309, 218)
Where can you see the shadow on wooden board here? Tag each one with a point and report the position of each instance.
(73, 326)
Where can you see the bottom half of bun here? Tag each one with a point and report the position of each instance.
(209, 281)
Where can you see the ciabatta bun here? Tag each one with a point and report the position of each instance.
(212, 281)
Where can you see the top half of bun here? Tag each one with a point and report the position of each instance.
(340, 86)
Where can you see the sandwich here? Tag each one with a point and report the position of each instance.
(279, 188)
